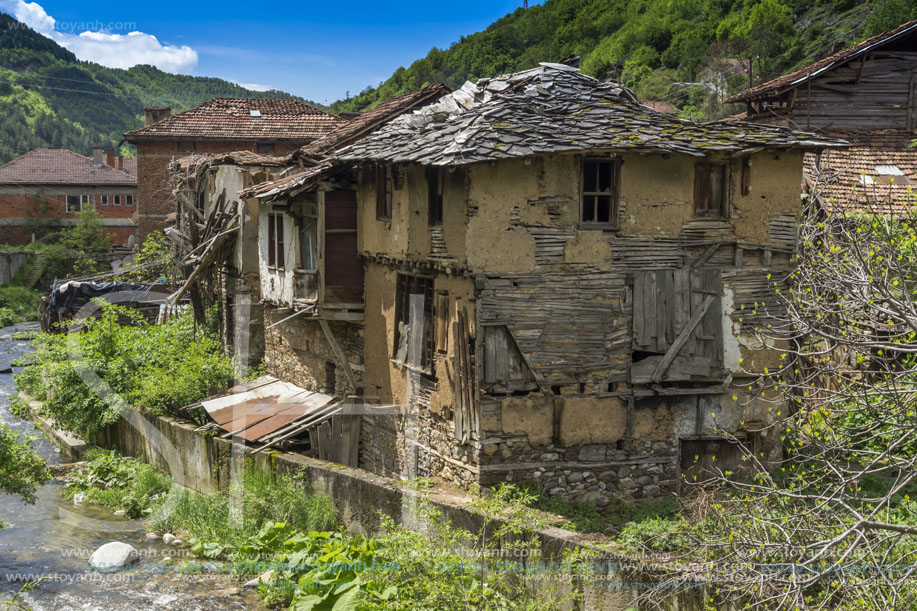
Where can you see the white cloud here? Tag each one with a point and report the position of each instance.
(96, 43)
(253, 86)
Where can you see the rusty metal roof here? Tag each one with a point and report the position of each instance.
(267, 410)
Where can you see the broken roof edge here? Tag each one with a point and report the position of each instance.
(809, 72)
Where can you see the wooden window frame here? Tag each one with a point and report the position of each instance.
(613, 193)
(275, 242)
(304, 223)
(434, 176)
(702, 172)
(384, 180)
(79, 203)
(407, 285)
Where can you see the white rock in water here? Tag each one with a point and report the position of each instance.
(120, 512)
(265, 579)
(151, 536)
(114, 556)
(177, 541)
(79, 498)
(168, 538)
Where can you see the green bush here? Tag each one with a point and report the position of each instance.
(21, 469)
(17, 303)
(116, 482)
(87, 378)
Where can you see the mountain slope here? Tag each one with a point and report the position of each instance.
(48, 98)
(691, 53)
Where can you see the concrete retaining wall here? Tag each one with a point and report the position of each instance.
(208, 464)
(10, 263)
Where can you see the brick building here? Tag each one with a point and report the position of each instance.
(221, 125)
(48, 187)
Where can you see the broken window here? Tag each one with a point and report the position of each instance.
(275, 240)
(600, 192)
(409, 348)
(710, 189)
(677, 330)
(308, 244)
(384, 192)
(435, 196)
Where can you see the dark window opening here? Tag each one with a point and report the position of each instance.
(116, 200)
(74, 203)
(600, 192)
(265, 147)
(186, 147)
(408, 286)
(384, 182)
(128, 200)
(275, 240)
(710, 189)
(435, 196)
(104, 200)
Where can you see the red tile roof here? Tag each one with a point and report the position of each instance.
(865, 178)
(816, 69)
(231, 119)
(63, 167)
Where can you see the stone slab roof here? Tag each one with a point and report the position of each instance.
(242, 119)
(64, 167)
(825, 64)
(367, 121)
(553, 109)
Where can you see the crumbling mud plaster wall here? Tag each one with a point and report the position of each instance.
(570, 403)
(421, 441)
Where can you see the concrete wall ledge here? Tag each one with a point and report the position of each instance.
(208, 464)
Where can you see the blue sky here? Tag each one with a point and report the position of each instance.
(318, 50)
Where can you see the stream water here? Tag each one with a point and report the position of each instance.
(53, 539)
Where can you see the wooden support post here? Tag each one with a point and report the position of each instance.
(339, 353)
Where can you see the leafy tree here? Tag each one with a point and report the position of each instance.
(21, 469)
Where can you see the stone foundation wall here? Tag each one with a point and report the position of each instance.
(297, 351)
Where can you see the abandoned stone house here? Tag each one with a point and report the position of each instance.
(866, 94)
(534, 277)
(261, 125)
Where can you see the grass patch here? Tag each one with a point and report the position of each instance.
(261, 497)
(585, 517)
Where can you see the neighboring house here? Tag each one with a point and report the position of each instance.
(547, 280)
(48, 187)
(261, 125)
(866, 94)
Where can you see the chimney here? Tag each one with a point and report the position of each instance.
(110, 158)
(120, 162)
(155, 114)
(97, 155)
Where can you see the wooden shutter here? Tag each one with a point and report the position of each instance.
(271, 242)
(677, 326)
(504, 368)
(278, 219)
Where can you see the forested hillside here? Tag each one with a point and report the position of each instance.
(49, 98)
(691, 53)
